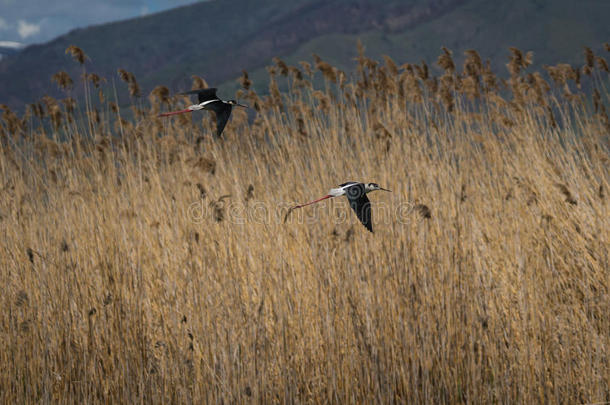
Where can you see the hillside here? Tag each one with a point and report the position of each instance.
(218, 39)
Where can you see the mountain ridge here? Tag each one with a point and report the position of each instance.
(217, 40)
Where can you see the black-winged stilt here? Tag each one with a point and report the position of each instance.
(356, 195)
(209, 101)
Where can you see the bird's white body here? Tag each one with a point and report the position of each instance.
(342, 190)
(201, 106)
(337, 192)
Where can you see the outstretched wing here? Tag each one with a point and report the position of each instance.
(204, 94)
(360, 204)
(223, 112)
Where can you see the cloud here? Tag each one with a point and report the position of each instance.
(11, 44)
(32, 21)
(26, 29)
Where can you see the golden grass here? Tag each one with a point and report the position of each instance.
(144, 262)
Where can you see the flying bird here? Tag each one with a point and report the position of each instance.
(209, 101)
(356, 195)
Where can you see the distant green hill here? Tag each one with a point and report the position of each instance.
(219, 39)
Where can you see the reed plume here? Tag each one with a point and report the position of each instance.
(77, 54)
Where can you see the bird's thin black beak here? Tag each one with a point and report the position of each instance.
(241, 105)
(385, 189)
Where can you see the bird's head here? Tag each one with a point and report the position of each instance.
(374, 186)
(235, 103)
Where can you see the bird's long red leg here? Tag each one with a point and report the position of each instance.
(304, 205)
(312, 202)
(175, 112)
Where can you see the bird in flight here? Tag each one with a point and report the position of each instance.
(356, 195)
(209, 101)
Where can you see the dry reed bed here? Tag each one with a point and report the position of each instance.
(143, 261)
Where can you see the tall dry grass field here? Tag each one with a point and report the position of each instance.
(143, 261)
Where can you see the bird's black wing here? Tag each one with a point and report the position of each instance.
(360, 204)
(203, 94)
(223, 112)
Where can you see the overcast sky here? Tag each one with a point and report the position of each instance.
(36, 21)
